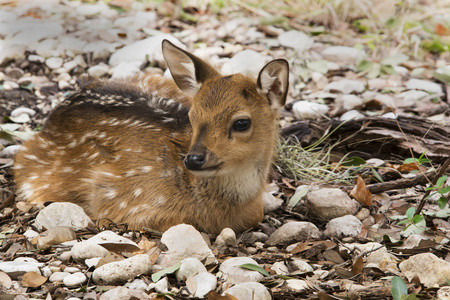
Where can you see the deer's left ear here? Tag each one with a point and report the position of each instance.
(273, 82)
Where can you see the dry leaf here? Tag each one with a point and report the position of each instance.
(33, 279)
(110, 257)
(406, 168)
(191, 284)
(119, 247)
(361, 193)
(213, 295)
(358, 266)
(146, 245)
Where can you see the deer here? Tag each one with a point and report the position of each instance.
(154, 152)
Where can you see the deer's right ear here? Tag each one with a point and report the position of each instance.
(188, 71)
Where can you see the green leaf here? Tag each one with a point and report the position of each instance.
(376, 175)
(410, 160)
(157, 276)
(442, 202)
(444, 190)
(318, 66)
(441, 181)
(299, 194)
(434, 46)
(443, 74)
(364, 65)
(398, 288)
(273, 20)
(417, 219)
(410, 213)
(395, 59)
(353, 161)
(443, 213)
(256, 268)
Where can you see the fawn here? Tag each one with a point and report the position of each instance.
(153, 152)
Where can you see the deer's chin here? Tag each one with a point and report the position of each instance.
(209, 171)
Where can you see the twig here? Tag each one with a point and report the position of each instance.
(441, 171)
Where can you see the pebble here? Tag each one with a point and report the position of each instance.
(87, 250)
(280, 268)
(189, 267)
(10, 151)
(363, 213)
(249, 290)
(14, 72)
(227, 237)
(75, 279)
(345, 86)
(300, 265)
(98, 70)
(296, 39)
(123, 293)
(58, 276)
(293, 232)
(54, 62)
(62, 214)
(348, 102)
(351, 114)
(443, 293)
(430, 269)
(233, 274)
(55, 236)
(346, 226)
(271, 203)
(296, 285)
(428, 86)
(330, 203)
(108, 236)
(206, 282)
(162, 286)
(137, 284)
(24, 81)
(17, 268)
(126, 69)
(343, 55)
(383, 260)
(305, 110)
(71, 270)
(46, 271)
(247, 62)
(119, 272)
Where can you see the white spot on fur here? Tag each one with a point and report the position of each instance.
(137, 192)
(26, 190)
(67, 170)
(29, 156)
(146, 169)
(122, 205)
(130, 173)
(111, 194)
(160, 200)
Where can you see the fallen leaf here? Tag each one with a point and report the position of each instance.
(361, 192)
(213, 295)
(119, 247)
(256, 268)
(358, 266)
(191, 284)
(146, 245)
(110, 257)
(157, 276)
(407, 168)
(33, 279)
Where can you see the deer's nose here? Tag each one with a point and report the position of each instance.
(194, 162)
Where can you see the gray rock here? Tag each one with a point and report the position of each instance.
(280, 268)
(206, 282)
(122, 293)
(185, 241)
(443, 293)
(430, 269)
(305, 110)
(189, 267)
(343, 226)
(293, 232)
(296, 285)
(137, 284)
(46, 271)
(382, 260)
(233, 273)
(58, 276)
(345, 86)
(296, 39)
(363, 213)
(343, 55)
(54, 62)
(74, 280)
(55, 236)
(62, 214)
(249, 290)
(119, 272)
(330, 203)
(271, 203)
(226, 237)
(300, 265)
(14, 72)
(17, 268)
(425, 85)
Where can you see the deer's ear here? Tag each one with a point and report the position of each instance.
(188, 71)
(273, 82)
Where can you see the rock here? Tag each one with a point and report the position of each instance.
(249, 290)
(92, 9)
(17, 268)
(36, 58)
(330, 203)
(122, 293)
(350, 115)
(65, 256)
(296, 39)
(87, 250)
(55, 236)
(412, 241)
(11, 52)
(305, 110)
(343, 55)
(10, 151)
(300, 265)
(348, 102)
(71, 270)
(185, 241)
(162, 286)
(443, 293)
(343, 226)
(226, 237)
(137, 284)
(14, 72)
(24, 81)
(430, 269)
(271, 203)
(98, 70)
(247, 62)
(119, 272)
(382, 260)
(280, 268)
(74, 280)
(345, 86)
(126, 69)
(233, 274)
(46, 271)
(62, 214)
(293, 232)
(363, 213)
(92, 262)
(47, 48)
(428, 86)
(58, 276)
(189, 267)
(32, 32)
(141, 50)
(54, 62)
(296, 285)
(206, 282)
(110, 237)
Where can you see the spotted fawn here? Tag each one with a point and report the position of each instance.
(154, 152)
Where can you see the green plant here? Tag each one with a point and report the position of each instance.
(439, 188)
(399, 290)
(416, 224)
(420, 161)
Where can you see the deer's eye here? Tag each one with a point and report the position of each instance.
(242, 125)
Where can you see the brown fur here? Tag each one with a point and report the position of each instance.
(117, 149)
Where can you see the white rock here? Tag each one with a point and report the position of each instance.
(62, 214)
(7, 16)
(108, 236)
(58, 276)
(349, 102)
(140, 50)
(271, 203)
(91, 262)
(383, 260)
(10, 151)
(54, 62)
(31, 32)
(126, 69)
(71, 270)
(11, 52)
(30, 234)
(72, 44)
(139, 21)
(119, 272)
(296, 285)
(247, 62)
(162, 286)
(70, 65)
(46, 271)
(330, 203)
(430, 269)
(55, 236)
(36, 58)
(189, 267)
(233, 273)
(429, 86)
(249, 290)
(16, 268)
(118, 293)
(29, 260)
(280, 268)
(65, 256)
(185, 241)
(345, 86)
(351, 114)
(91, 9)
(300, 265)
(226, 237)
(137, 284)
(443, 293)
(343, 226)
(98, 70)
(363, 213)
(293, 232)
(296, 39)
(343, 55)
(206, 282)
(100, 49)
(87, 250)
(305, 110)
(47, 48)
